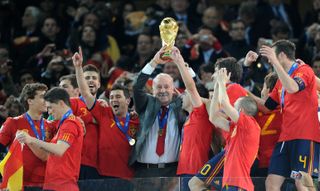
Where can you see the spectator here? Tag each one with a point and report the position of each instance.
(238, 46)
(142, 56)
(213, 18)
(255, 27)
(92, 51)
(203, 47)
(316, 65)
(181, 11)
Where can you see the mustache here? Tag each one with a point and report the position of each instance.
(163, 94)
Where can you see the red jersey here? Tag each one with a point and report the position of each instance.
(89, 155)
(33, 167)
(241, 153)
(270, 125)
(114, 148)
(62, 173)
(234, 92)
(300, 111)
(197, 135)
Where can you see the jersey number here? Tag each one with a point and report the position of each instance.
(204, 171)
(264, 130)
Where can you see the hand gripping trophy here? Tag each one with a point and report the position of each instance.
(168, 32)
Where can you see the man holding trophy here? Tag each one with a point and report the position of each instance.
(158, 140)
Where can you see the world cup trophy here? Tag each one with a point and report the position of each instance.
(168, 33)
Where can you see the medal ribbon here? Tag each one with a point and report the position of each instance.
(64, 117)
(124, 129)
(292, 69)
(33, 127)
(163, 122)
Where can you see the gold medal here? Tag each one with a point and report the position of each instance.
(132, 142)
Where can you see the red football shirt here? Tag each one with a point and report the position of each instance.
(62, 173)
(241, 153)
(89, 155)
(270, 125)
(300, 112)
(114, 148)
(33, 167)
(234, 92)
(195, 148)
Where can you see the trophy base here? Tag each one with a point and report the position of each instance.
(166, 56)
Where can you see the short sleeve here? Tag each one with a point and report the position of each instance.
(304, 76)
(200, 111)
(68, 132)
(8, 131)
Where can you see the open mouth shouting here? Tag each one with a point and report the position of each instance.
(115, 106)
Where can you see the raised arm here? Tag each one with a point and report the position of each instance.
(214, 104)
(215, 116)
(186, 77)
(289, 84)
(140, 97)
(226, 106)
(77, 59)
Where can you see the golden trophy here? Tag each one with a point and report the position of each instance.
(168, 32)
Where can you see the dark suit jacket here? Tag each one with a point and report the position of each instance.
(148, 106)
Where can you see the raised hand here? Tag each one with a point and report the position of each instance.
(176, 56)
(250, 58)
(269, 53)
(223, 76)
(77, 58)
(157, 57)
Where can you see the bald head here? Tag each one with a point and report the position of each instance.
(163, 88)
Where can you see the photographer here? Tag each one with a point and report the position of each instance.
(202, 48)
(7, 86)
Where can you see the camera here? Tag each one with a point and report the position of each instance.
(204, 38)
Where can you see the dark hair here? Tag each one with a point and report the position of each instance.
(29, 91)
(122, 88)
(248, 9)
(315, 58)
(145, 33)
(202, 90)
(235, 21)
(248, 105)
(57, 94)
(72, 78)
(91, 68)
(50, 17)
(271, 80)
(285, 46)
(231, 64)
(208, 68)
(205, 27)
(280, 27)
(11, 100)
